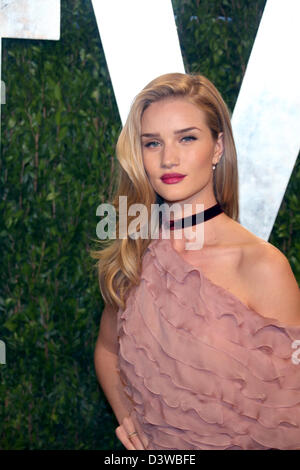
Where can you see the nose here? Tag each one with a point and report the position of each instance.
(169, 156)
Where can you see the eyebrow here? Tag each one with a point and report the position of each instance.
(180, 131)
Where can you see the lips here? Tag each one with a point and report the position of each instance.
(172, 177)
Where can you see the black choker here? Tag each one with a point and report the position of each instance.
(191, 220)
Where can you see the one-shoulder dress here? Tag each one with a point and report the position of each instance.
(202, 369)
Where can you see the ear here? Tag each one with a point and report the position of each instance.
(219, 148)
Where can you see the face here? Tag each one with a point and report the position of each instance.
(176, 139)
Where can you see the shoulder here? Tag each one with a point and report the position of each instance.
(272, 286)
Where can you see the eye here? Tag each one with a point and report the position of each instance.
(152, 144)
(188, 138)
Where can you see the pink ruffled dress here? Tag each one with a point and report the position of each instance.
(203, 370)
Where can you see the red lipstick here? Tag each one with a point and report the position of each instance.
(170, 178)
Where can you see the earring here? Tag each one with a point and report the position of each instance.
(214, 167)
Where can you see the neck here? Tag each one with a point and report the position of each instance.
(212, 232)
(193, 207)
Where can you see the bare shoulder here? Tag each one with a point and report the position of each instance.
(271, 284)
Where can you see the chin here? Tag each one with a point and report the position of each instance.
(176, 199)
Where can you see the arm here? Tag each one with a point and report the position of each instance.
(105, 360)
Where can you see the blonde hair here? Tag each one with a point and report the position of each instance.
(120, 261)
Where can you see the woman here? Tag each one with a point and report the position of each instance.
(195, 347)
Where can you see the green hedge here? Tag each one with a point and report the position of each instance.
(59, 128)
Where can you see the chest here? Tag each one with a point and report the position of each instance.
(222, 266)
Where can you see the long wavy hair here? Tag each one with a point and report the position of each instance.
(120, 260)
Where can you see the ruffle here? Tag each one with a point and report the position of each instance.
(203, 369)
